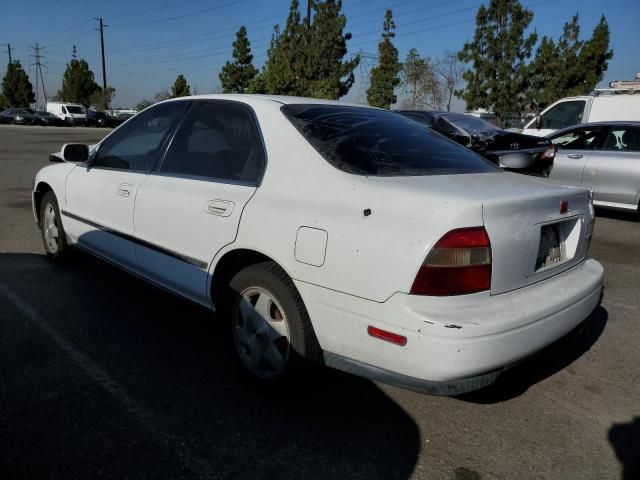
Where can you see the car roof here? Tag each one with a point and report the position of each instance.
(610, 123)
(281, 99)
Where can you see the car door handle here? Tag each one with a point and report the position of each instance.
(124, 189)
(574, 155)
(222, 208)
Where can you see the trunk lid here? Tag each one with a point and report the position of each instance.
(519, 213)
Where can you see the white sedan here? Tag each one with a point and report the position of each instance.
(331, 233)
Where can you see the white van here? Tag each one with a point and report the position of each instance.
(71, 113)
(601, 106)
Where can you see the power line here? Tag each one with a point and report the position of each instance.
(179, 17)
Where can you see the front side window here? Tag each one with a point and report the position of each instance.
(137, 144)
(367, 141)
(64, 110)
(76, 110)
(623, 139)
(563, 115)
(577, 139)
(217, 140)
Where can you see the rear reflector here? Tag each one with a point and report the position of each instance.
(387, 336)
(459, 263)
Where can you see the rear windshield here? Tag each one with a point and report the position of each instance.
(72, 109)
(367, 141)
(469, 122)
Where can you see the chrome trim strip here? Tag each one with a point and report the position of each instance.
(179, 256)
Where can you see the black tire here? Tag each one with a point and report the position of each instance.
(303, 347)
(58, 248)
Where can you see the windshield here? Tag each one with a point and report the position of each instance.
(73, 109)
(469, 122)
(368, 141)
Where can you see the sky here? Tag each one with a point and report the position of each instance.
(149, 42)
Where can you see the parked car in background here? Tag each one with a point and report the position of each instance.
(401, 258)
(47, 119)
(603, 156)
(101, 119)
(603, 105)
(70, 113)
(510, 150)
(17, 116)
(123, 117)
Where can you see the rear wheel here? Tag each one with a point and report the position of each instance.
(53, 236)
(270, 326)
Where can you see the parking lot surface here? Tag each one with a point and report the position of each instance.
(102, 376)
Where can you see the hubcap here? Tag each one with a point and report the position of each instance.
(50, 229)
(261, 333)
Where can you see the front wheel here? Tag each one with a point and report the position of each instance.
(53, 236)
(270, 326)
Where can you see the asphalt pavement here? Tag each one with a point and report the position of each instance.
(103, 376)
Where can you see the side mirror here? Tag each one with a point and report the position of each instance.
(538, 122)
(75, 152)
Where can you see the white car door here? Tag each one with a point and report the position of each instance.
(575, 146)
(190, 206)
(100, 196)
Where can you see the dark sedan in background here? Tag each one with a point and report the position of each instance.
(46, 119)
(512, 151)
(17, 116)
(101, 119)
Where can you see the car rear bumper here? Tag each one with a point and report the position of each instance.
(462, 341)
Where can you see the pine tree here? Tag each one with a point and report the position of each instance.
(595, 55)
(498, 77)
(235, 77)
(570, 66)
(16, 87)
(180, 87)
(286, 59)
(78, 83)
(326, 74)
(385, 76)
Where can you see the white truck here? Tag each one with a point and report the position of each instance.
(621, 102)
(71, 113)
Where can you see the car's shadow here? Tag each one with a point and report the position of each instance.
(557, 356)
(173, 360)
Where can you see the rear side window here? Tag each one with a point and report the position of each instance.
(623, 139)
(367, 141)
(217, 140)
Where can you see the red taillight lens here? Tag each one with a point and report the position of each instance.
(459, 263)
(387, 336)
(549, 153)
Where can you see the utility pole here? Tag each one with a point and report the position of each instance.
(9, 50)
(104, 72)
(38, 65)
(309, 14)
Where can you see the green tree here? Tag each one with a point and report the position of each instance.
(569, 66)
(285, 66)
(16, 87)
(595, 55)
(327, 75)
(498, 54)
(180, 87)
(235, 77)
(78, 83)
(3, 101)
(258, 84)
(142, 104)
(102, 98)
(385, 76)
(420, 81)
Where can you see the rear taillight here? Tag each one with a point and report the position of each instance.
(549, 153)
(459, 263)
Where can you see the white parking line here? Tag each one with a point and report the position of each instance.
(104, 380)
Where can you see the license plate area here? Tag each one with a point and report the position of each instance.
(558, 243)
(551, 250)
